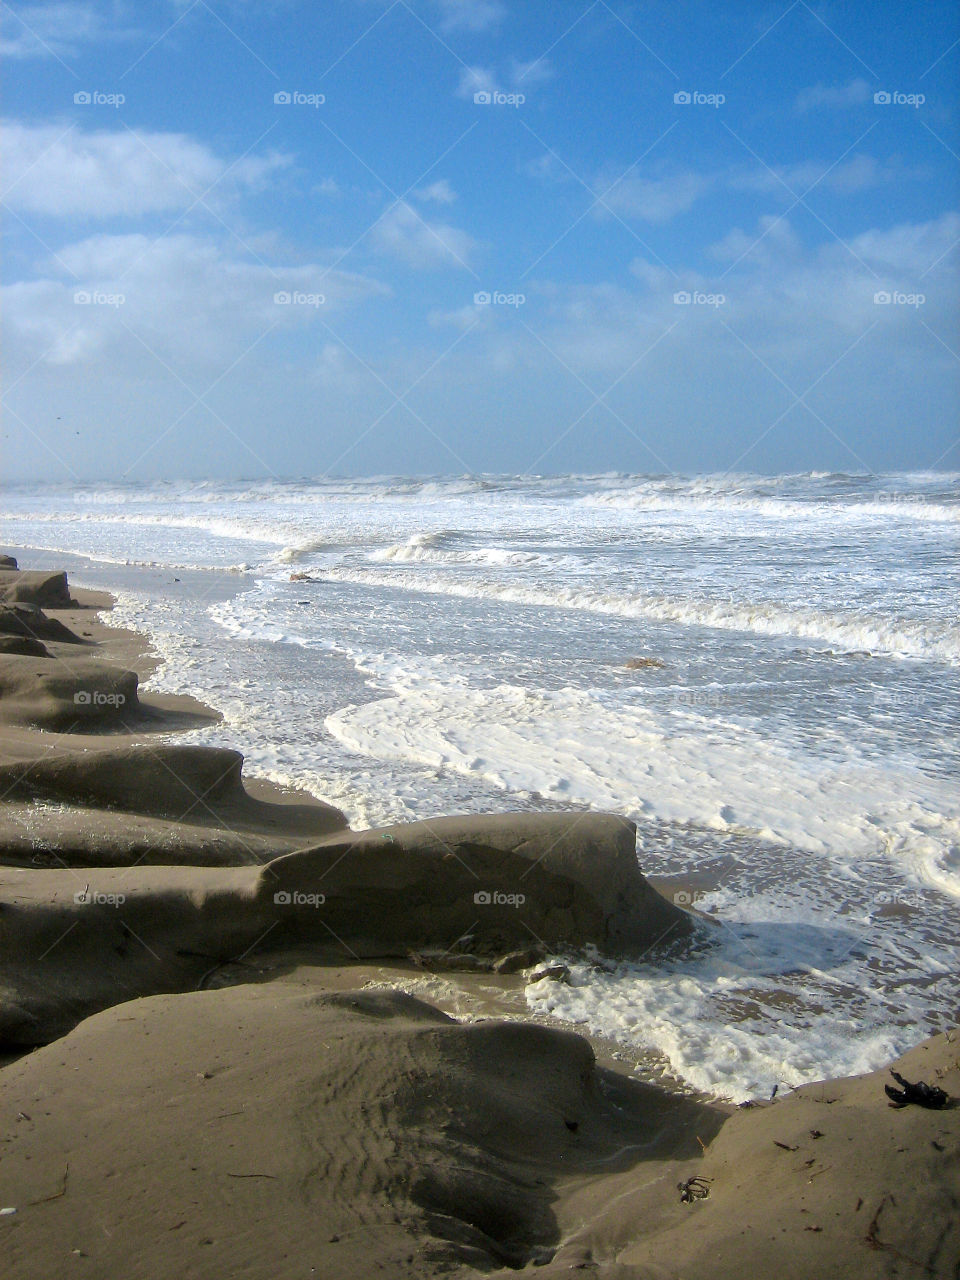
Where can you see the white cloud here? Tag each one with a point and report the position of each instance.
(910, 247)
(64, 171)
(404, 235)
(440, 192)
(663, 197)
(773, 241)
(189, 300)
(520, 77)
(476, 80)
(529, 74)
(469, 15)
(653, 199)
(859, 173)
(56, 30)
(825, 95)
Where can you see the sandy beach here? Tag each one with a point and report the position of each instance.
(241, 1038)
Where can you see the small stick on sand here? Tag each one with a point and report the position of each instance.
(57, 1194)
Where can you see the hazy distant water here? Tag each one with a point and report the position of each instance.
(794, 760)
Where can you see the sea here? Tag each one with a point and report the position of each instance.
(762, 672)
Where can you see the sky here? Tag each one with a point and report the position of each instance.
(365, 237)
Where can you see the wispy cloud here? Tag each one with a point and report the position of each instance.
(403, 234)
(859, 173)
(57, 30)
(470, 15)
(516, 76)
(653, 199)
(439, 192)
(63, 172)
(189, 298)
(834, 96)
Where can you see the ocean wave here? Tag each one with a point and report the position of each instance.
(860, 632)
(432, 548)
(896, 506)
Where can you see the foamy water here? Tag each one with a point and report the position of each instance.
(790, 754)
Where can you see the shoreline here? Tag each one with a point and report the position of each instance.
(494, 1144)
(459, 993)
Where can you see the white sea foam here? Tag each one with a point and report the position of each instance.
(902, 639)
(894, 506)
(677, 767)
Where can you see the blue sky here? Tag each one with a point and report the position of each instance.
(712, 237)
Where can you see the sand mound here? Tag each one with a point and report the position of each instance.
(263, 1132)
(74, 942)
(485, 884)
(46, 590)
(28, 620)
(279, 1131)
(181, 783)
(150, 805)
(73, 694)
(24, 646)
(828, 1181)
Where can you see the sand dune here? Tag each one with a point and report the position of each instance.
(45, 590)
(72, 943)
(281, 1131)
